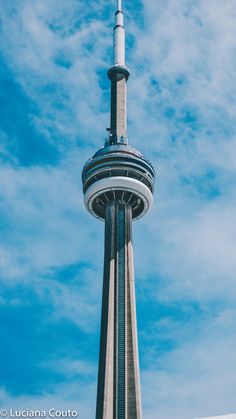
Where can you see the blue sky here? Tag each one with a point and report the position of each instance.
(54, 112)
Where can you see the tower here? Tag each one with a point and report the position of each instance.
(118, 188)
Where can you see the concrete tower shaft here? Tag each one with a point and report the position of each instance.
(118, 119)
(118, 393)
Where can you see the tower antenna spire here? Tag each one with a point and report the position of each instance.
(119, 36)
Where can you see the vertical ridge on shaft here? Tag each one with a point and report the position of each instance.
(121, 297)
(134, 410)
(106, 355)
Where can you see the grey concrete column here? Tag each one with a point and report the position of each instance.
(118, 394)
(118, 107)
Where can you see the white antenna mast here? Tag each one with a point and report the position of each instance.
(119, 37)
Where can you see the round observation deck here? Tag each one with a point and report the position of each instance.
(118, 172)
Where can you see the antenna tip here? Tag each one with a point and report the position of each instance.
(119, 5)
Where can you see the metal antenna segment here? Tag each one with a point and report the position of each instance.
(119, 37)
(119, 7)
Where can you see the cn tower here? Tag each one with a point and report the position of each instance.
(118, 188)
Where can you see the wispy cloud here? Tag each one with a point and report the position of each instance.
(231, 416)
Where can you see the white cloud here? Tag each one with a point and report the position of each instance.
(49, 48)
(46, 231)
(222, 417)
(197, 377)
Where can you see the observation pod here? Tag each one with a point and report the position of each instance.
(118, 172)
